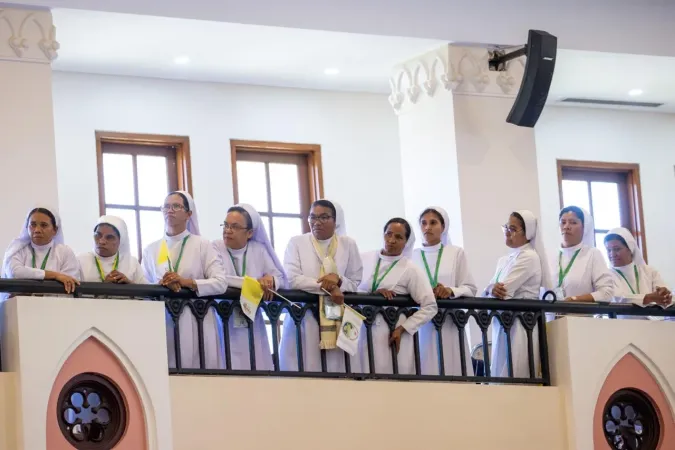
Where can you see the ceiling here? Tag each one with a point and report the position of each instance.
(123, 44)
(618, 26)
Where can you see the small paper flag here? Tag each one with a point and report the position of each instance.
(163, 255)
(350, 330)
(251, 295)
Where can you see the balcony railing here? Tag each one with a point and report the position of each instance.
(530, 313)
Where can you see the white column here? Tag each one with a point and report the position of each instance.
(27, 157)
(457, 150)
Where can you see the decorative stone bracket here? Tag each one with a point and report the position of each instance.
(462, 70)
(27, 35)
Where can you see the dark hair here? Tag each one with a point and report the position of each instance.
(408, 230)
(326, 204)
(186, 203)
(573, 209)
(52, 218)
(243, 212)
(616, 237)
(520, 219)
(433, 211)
(115, 230)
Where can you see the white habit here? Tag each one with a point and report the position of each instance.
(588, 275)
(453, 273)
(303, 268)
(202, 263)
(258, 264)
(405, 278)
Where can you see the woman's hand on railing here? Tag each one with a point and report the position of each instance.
(267, 283)
(499, 291)
(337, 296)
(117, 277)
(386, 293)
(396, 338)
(329, 281)
(441, 291)
(175, 282)
(68, 282)
(661, 296)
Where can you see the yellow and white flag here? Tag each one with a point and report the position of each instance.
(251, 295)
(350, 329)
(163, 255)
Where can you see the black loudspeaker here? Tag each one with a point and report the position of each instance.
(541, 55)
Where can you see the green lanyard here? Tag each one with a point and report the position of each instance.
(561, 274)
(434, 280)
(180, 256)
(376, 282)
(44, 261)
(499, 274)
(637, 280)
(100, 268)
(234, 263)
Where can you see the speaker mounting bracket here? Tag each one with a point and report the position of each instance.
(499, 58)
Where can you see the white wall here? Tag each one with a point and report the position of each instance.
(357, 132)
(613, 136)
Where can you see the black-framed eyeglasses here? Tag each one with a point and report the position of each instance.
(233, 227)
(323, 218)
(172, 207)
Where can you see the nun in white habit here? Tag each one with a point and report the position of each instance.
(247, 251)
(324, 260)
(582, 273)
(522, 274)
(635, 281)
(111, 261)
(39, 252)
(447, 270)
(192, 262)
(392, 272)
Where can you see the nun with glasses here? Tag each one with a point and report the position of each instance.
(246, 250)
(184, 259)
(391, 272)
(39, 252)
(447, 270)
(325, 262)
(582, 273)
(111, 261)
(522, 274)
(635, 281)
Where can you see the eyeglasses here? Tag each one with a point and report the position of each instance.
(323, 218)
(234, 227)
(507, 229)
(173, 207)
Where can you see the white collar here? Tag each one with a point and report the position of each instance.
(238, 251)
(386, 258)
(569, 250)
(325, 241)
(42, 248)
(625, 268)
(517, 250)
(432, 248)
(177, 237)
(105, 259)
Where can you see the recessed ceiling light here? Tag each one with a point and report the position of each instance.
(635, 92)
(331, 71)
(181, 60)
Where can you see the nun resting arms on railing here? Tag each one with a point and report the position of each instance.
(325, 262)
(39, 253)
(184, 259)
(110, 261)
(246, 250)
(391, 272)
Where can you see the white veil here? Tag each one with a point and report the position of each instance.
(126, 260)
(638, 258)
(532, 234)
(193, 221)
(445, 236)
(24, 239)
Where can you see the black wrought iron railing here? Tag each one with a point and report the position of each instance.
(531, 314)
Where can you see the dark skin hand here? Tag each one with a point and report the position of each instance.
(441, 291)
(175, 282)
(386, 293)
(116, 277)
(396, 338)
(499, 291)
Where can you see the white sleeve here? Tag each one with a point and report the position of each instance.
(354, 270)
(269, 268)
(421, 292)
(603, 282)
(149, 267)
(70, 265)
(524, 267)
(466, 287)
(18, 270)
(215, 281)
(138, 275)
(293, 265)
(639, 299)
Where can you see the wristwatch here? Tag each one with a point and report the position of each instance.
(574, 299)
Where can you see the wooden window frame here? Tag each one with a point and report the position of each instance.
(633, 194)
(311, 153)
(182, 178)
